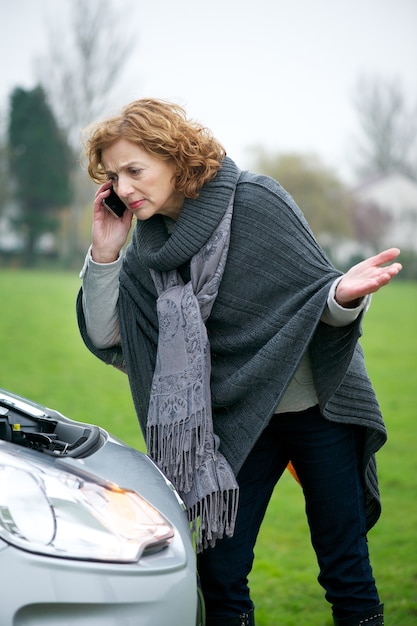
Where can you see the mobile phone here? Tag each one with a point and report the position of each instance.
(113, 204)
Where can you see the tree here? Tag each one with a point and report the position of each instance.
(389, 131)
(4, 178)
(81, 74)
(81, 83)
(315, 187)
(39, 160)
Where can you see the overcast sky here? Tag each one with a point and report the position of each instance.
(276, 73)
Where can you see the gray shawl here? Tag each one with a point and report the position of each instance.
(266, 315)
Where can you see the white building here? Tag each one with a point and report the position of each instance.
(395, 195)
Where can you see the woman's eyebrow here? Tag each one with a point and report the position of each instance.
(124, 166)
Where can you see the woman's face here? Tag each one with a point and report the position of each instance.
(143, 182)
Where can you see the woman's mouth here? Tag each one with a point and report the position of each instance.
(134, 206)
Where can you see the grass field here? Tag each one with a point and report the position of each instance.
(43, 358)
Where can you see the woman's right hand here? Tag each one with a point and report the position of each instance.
(109, 233)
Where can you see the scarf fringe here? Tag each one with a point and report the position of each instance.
(213, 518)
(178, 448)
(206, 485)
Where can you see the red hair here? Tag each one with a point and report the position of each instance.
(162, 129)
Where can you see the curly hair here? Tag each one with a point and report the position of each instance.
(162, 129)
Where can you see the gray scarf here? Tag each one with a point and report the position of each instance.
(180, 436)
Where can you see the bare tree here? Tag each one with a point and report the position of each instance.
(389, 130)
(85, 62)
(87, 55)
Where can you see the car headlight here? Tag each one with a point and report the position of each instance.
(52, 510)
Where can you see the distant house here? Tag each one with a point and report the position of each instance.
(386, 207)
(10, 242)
(13, 243)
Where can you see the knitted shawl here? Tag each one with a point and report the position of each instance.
(267, 314)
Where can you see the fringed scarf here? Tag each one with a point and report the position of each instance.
(180, 436)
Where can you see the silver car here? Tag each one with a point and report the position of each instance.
(91, 532)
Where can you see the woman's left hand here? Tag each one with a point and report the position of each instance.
(367, 277)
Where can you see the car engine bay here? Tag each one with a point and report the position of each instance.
(45, 430)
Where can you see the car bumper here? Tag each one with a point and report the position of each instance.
(42, 591)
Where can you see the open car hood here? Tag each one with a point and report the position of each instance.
(36, 427)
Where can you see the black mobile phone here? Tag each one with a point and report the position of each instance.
(113, 204)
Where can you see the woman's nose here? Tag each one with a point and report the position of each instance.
(124, 187)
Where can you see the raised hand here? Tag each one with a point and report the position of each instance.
(367, 277)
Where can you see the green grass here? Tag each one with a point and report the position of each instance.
(43, 358)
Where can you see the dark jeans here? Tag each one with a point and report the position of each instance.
(327, 458)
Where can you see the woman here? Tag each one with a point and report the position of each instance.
(240, 341)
